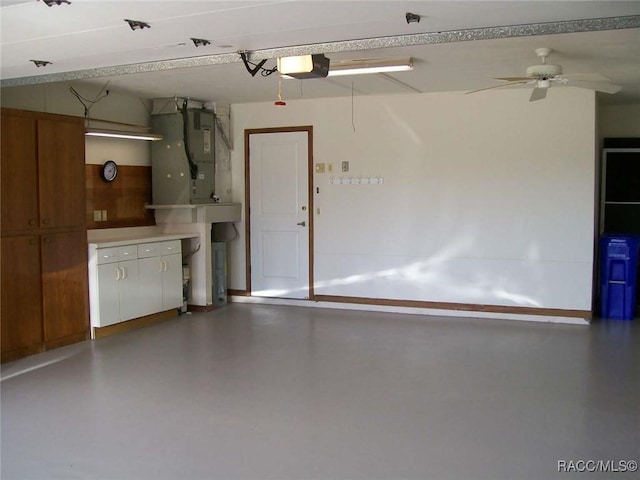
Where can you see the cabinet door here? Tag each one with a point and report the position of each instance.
(21, 308)
(128, 288)
(108, 297)
(65, 289)
(62, 180)
(172, 281)
(150, 286)
(19, 179)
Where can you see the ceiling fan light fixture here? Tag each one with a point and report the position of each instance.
(545, 70)
(544, 83)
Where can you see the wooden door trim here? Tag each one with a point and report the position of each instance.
(247, 198)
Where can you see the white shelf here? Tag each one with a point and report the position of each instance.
(209, 213)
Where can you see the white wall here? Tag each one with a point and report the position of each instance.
(619, 121)
(57, 98)
(487, 198)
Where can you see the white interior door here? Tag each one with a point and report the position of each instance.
(279, 214)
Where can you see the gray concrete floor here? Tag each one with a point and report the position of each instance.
(276, 392)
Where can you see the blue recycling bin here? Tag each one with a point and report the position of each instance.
(618, 276)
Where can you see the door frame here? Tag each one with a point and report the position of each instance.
(247, 198)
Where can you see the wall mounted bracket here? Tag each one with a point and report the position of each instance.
(136, 24)
(254, 68)
(40, 63)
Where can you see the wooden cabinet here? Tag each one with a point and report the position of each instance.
(19, 173)
(44, 243)
(61, 173)
(22, 327)
(65, 287)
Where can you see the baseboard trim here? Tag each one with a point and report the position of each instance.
(465, 307)
(133, 324)
(200, 308)
(238, 293)
(572, 317)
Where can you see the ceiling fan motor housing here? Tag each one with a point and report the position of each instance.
(544, 71)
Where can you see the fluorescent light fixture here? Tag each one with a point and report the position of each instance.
(119, 134)
(289, 67)
(370, 65)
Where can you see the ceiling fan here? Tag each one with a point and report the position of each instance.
(542, 76)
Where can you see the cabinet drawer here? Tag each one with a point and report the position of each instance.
(149, 250)
(171, 247)
(157, 249)
(107, 255)
(128, 252)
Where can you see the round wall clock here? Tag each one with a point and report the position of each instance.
(109, 171)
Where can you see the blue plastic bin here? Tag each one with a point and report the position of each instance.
(618, 276)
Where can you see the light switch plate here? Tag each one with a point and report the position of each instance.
(320, 167)
(345, 166)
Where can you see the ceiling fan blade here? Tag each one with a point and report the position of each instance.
(514, 79)
(538, 94)
(498, 86)
(598, 87)
(587, 77)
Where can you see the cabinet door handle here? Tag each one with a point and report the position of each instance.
(124, 272)
(45, 221)
(32, 222)
(118, 277)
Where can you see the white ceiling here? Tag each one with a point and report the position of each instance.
(83, 39)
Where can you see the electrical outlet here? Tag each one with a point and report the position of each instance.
(319, 167)
(104, 215)
(97, 215)
(329, 167)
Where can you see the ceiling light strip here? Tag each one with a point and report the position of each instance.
(487, 33)
(90, 132)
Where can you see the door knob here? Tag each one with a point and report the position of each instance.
(302, 223)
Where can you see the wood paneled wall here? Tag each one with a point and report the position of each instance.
(124, 199)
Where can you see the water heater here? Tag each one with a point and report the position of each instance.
(183, 162)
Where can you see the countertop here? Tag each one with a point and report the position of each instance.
(105, 242)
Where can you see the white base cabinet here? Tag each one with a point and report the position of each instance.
(160, 276)
(132, 281)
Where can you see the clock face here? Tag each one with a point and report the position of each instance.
(109, 171)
